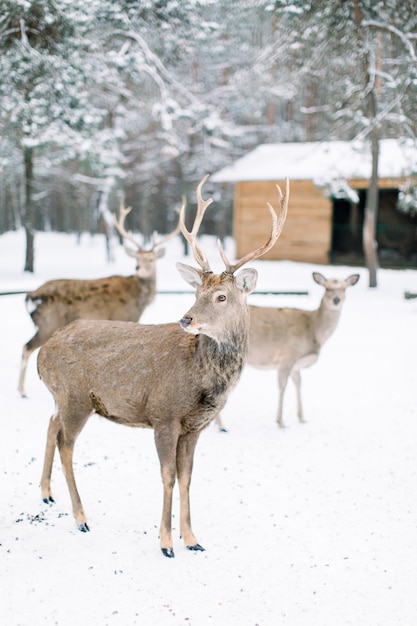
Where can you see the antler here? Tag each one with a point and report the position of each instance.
(158, 242)
(119, 223)
(191, 237)
(277, 226)
(127, 234)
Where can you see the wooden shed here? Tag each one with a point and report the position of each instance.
(328, 185)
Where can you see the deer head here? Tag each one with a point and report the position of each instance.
(220, 296)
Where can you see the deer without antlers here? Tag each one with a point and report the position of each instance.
(56, 303)
(172, 377)
(289, 340)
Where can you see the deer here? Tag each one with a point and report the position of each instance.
(173, 377)
(290, 339)
(56, 303)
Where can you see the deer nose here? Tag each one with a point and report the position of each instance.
(336, 300)
(186, 321)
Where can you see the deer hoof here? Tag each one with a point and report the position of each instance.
(196, 548)
(84, 527)
(48, 500)
(168, 552)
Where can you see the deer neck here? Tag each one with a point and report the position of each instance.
(147, 285)
(326, 321)
(221, 363)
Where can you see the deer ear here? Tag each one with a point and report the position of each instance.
(246, 280)
(352, 279)
(160, 253)
(190, 274)
(319, 278)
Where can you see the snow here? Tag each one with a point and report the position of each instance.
(320, 161)
(311, 525)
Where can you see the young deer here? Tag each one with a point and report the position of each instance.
(56, 303)
(289, 340)
(155, 376)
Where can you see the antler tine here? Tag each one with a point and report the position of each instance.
(191, 237)
(119, 223)
(158, 242)
(277, 226)
(201, 206)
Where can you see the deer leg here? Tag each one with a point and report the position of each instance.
(63, 431)
(296, 376)
(166, 445)
(219, 423)
(26, 352)
(282, 384)
(39, 338)
(66, 451)
(51, 441)
(185, 456)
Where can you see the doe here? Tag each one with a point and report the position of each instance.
(289, 339)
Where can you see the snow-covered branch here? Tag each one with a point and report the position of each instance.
(395, 31)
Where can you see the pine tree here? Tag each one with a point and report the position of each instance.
(42, 89)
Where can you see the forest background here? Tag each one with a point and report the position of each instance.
(142, 98)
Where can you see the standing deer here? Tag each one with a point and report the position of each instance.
(155, 376)
(289, 340)
(56, 303)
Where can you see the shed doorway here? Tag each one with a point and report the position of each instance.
(347, 224)
(396, 232)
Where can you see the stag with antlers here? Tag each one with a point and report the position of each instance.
(56, 303)
(171, 377)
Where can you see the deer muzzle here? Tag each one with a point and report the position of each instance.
(185, 322)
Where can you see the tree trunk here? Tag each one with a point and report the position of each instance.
(29, 211)
(373, 88)
(107, 217)
(370, 245)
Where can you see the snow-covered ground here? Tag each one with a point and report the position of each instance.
(311, 525)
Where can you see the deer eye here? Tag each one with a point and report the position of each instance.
(221, 298)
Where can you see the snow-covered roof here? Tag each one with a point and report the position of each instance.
(321, 161)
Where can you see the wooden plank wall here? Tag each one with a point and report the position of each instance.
(307, 232)
(383, 183)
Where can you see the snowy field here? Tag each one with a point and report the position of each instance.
(311, 525)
